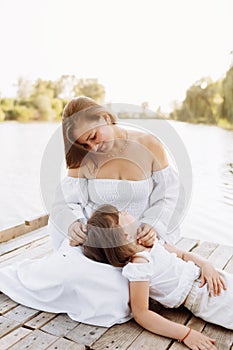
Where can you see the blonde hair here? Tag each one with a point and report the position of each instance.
(79, 109)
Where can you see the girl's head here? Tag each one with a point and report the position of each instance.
(111, 237)
(86, 126)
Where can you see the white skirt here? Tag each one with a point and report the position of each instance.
(68, 282)
(213, 309)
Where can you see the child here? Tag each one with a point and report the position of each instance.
(165, 273)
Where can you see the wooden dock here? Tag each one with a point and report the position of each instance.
(25, 328)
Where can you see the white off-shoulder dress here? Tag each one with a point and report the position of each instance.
(68, 282)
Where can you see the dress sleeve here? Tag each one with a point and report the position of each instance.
(70, 200)
(136, 272)
(166, 204)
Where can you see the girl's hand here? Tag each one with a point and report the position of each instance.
(199, 341)
(211, 276)
(78, 233)
(146, 235)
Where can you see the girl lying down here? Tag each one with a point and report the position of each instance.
(164, 273)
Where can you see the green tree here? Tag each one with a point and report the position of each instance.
(22, 113)
(227, 88)
(24, 88)
(7, 104)
(66, 85)
(43, 104)
(2, 116)
(201, 103)
(90, 88)
(57, 106)
(45, 88)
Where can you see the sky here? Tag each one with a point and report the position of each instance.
(140, 50)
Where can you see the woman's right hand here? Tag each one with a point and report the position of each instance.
(78, 233)
(199, 341)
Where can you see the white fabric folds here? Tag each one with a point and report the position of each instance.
(68, 282)
(165, 205)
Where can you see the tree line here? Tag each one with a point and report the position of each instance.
(206, 101)
(209, 102)
(45, 99)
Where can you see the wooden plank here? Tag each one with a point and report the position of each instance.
(195, 323)
(86, 334)
(7, 304)
(221, 255)
(60, 325)
(187, 244)
(27, 226)
(148, 340)
(25, 249)
(23, 240)
(229, 266)
(118, 337)
(3, 298)
(35, 340)
(21, 314)
(34, 250)
(223, 336)
(205, 249)
(6, 326)
(40, 320)
(65, 344)
(13, 337)
(37, 222)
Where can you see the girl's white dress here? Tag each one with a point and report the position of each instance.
(68, 282)
(174, 282)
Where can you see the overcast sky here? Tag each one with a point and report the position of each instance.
(140, 50)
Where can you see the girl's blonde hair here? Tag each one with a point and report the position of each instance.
(106, 241)
(77, 110)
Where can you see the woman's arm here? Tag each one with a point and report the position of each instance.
(70, 199)
(208, 273)
(165, 202)
(139, 301)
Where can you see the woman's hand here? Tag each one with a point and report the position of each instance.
(211, 276)
(199, 341)
(78, 233)
(146, 235)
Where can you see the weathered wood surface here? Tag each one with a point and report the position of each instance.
(28, 226)
(25, 328)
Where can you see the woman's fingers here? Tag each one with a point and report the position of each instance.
(217, 285)
(77, 233)
(223, 283)
(146, 233)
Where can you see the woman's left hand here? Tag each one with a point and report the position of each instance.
(146, 235)
(211, 276)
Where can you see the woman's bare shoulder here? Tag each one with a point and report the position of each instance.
(153, 144)
(144, 138)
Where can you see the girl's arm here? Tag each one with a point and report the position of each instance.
(139, 300)
(208, 273)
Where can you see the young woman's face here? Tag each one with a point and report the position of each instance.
(129, 225)
(97, 136)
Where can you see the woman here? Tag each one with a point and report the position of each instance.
(108, 163)
(165, 273)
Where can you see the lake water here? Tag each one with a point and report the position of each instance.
(210, 149)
